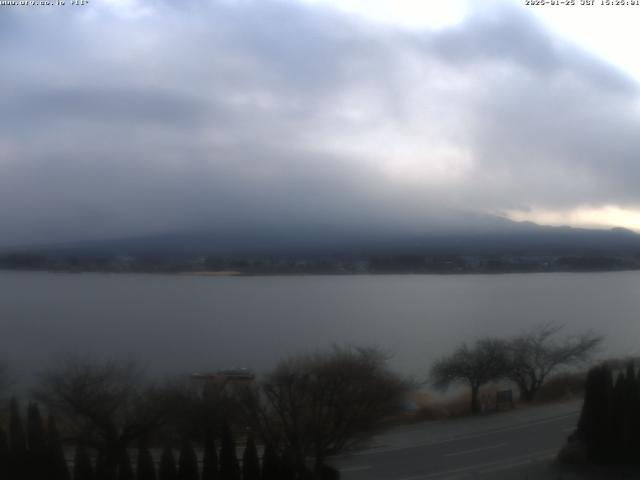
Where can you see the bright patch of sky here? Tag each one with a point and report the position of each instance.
(588, 217)
(609, 31)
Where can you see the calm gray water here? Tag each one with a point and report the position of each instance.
(181, 324)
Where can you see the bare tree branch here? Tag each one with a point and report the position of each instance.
(487, 360)
(538, 353)
(314, 406)
(106, 404)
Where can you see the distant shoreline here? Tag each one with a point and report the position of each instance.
(220, 273)
(235, 273)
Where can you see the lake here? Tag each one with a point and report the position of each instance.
(182, 324)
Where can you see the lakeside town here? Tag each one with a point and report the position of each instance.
(339, 264)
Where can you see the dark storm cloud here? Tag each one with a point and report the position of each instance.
(266, 112)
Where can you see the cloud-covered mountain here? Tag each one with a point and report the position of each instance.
(481, 235)
(232, 116)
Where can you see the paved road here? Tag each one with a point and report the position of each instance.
(487, 447)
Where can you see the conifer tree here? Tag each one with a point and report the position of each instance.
(4, 454)
(82, 468)
(17, 437)
(605, 439)
(619, 425)
(58, 469)
(270, 464)
(609, 423)
(250, 462)
(17, 444)
(635, 423)
(146, 468)
(37, 445)
(188, 462)
(107, 464)
(210, 458)
(125, 471)
(168, 470)
(35, 429)
(632, 412)
(105, 469)
(288, 467)
(229, 468)
(101, 469)
(586, 423)
(594, 425)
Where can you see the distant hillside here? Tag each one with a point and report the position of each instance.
(481, 235)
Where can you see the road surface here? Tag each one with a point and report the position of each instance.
(501, 445)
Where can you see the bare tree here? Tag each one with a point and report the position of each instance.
(203, 406)
(538, 353)
(485, 361)
(107, 404)
(314, 406)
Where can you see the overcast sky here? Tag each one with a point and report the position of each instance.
(124, 118)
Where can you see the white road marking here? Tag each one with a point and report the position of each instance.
(474, 450)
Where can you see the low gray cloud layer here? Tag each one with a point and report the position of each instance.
(226, 113)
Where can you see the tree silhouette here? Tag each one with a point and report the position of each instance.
(4, 454)
(631, 408)
(188, 462)
(109, 399)
(229, 468)
(314, 406)
(18, 461)
(37, 456)
(58, 469)
(250, 461)
(146, 468)
(536, 354)
(485, 361)
(103, 470)
(290, 468)
(596, 419)
(210, 458)
(168, 470)
(125, 471)
(270, 464)
(619, 418)
(100, 470)
(82, 468)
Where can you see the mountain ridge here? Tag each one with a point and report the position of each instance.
(491, 235)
